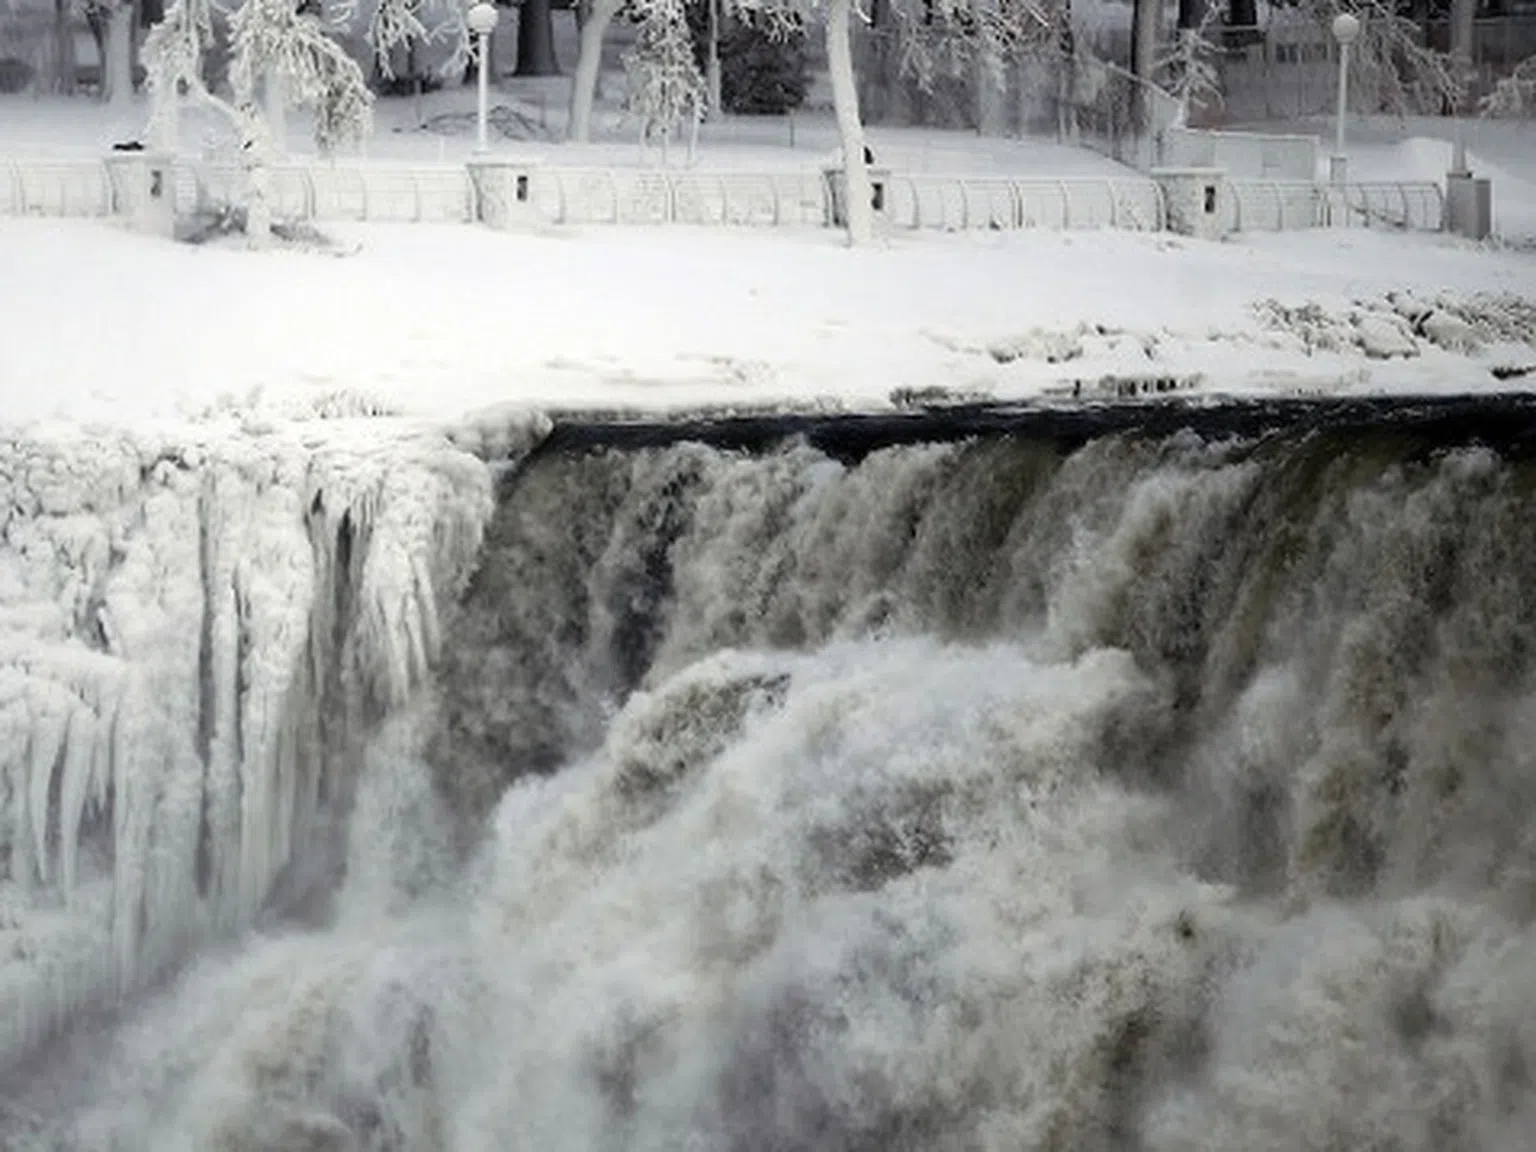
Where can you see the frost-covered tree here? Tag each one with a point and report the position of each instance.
(406, 26)
(666, 90)
(786, 14)
(1392, 69)
(1515, 95)
(269, 38)
(1187, 66)
(835, 17)
(974, 42)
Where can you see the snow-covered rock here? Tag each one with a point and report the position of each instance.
(1450, 332)
(1038, 344)
(1383, 335)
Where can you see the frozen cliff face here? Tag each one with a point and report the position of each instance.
(191, 626)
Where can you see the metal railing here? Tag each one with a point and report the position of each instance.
(383, 193)
(56, 188)
(1284, 205)
(595, 196)
(639, 196)
(963, 203)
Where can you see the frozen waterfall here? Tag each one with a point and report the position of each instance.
(190, 635)
(1151, 792)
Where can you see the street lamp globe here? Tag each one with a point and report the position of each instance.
(1346, 28)
(482, 18)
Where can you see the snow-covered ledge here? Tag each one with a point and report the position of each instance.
(1195, 198)
(503, 191)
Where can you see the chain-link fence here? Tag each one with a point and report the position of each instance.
(1111, 111)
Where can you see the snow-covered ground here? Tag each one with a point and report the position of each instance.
(100, 325)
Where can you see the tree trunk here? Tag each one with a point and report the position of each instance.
(588, 63)
(277, 111)
(536, 39)
(858, 208)
(1145, 17)
(117, 67)
(984, 71)
(712, 79)
(164, 128)
(96, 24)
(418, 95)
(64, 47)
(255, 161)
(1463, 14)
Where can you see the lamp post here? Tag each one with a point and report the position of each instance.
(482, 19)
(1346, 30)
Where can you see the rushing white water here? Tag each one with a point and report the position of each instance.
(1153, 795)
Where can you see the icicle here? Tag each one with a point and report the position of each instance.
(170, 901)
(426, 604)
(255, 798)
(408, 625)
(101, 754)
(50, 723)
(80, 758)
(21, 838)
(224, 781)
(132, 761)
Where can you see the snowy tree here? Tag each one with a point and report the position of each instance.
(666, 88)
(1392, 69)
(974, 41)
(785, 14)
(1187, 66)
(269, 38)
(408, 25)
(1515, 95)
(835, 17)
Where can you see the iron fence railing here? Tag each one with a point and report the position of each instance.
(1285, 205)
(632, 196)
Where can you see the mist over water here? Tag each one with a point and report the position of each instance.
(1154, 795)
